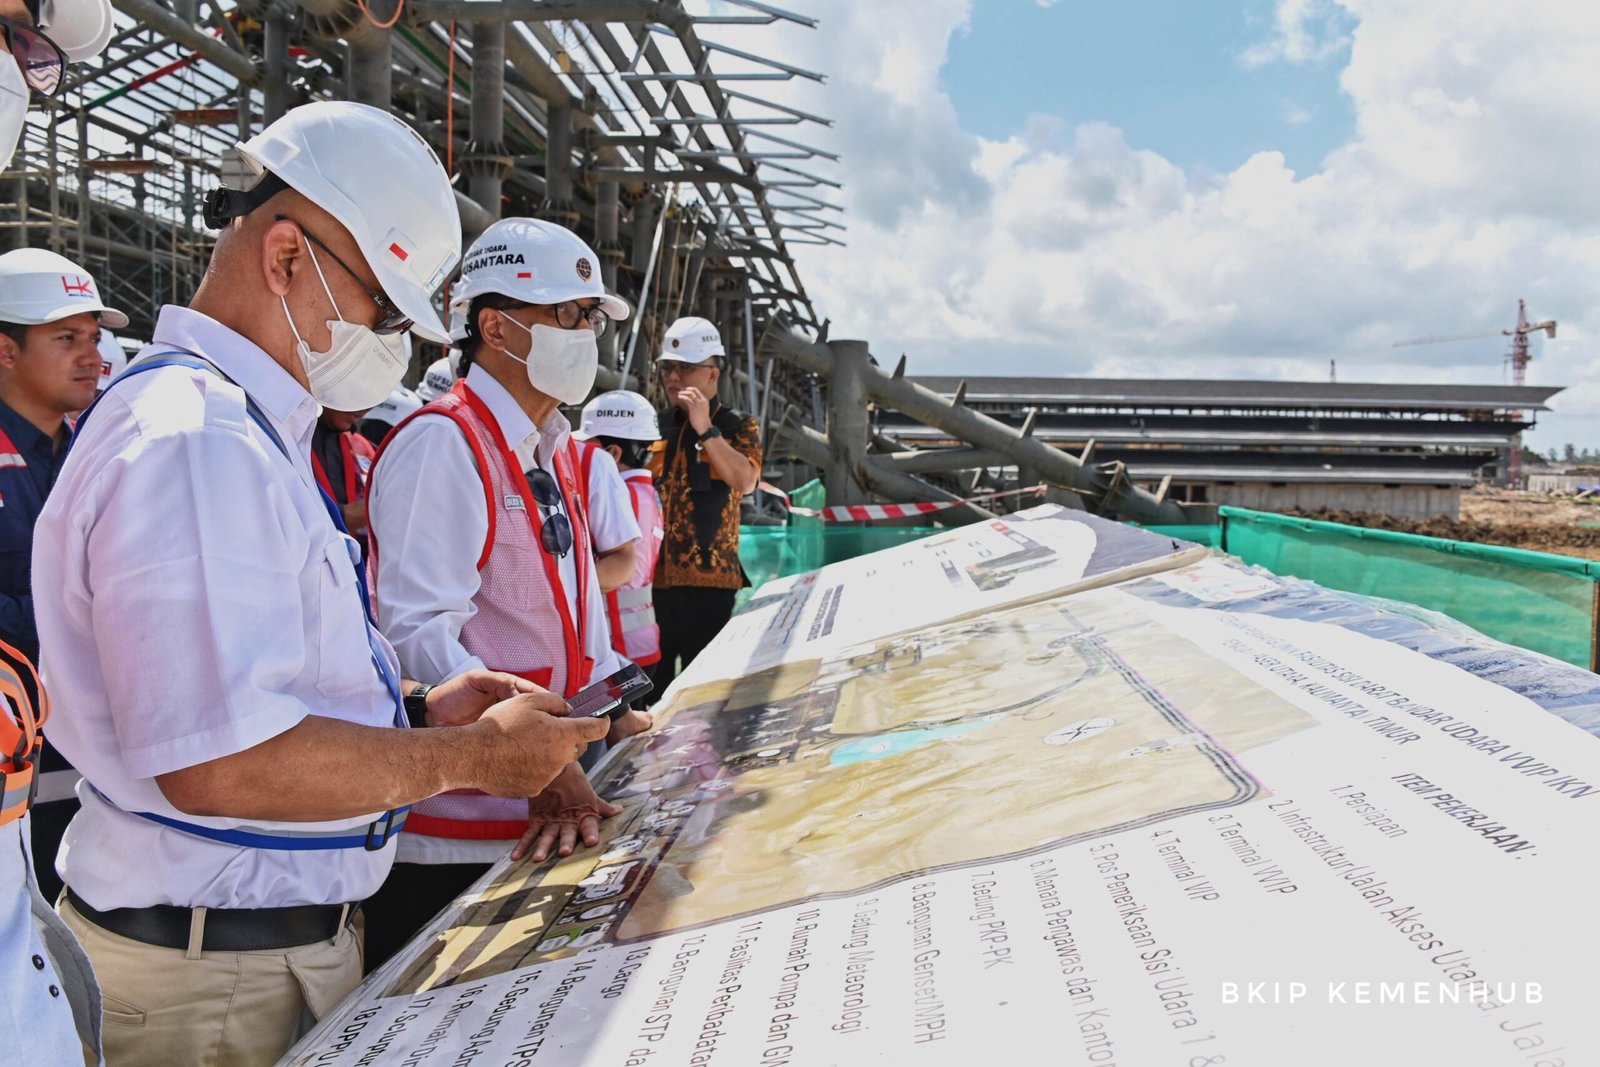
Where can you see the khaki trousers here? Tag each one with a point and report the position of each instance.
(177, 1008)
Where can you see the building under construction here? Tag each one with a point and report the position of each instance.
(627, 121)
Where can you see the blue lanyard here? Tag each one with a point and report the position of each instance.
(386, 826)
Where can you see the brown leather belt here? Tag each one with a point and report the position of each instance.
(226, 929)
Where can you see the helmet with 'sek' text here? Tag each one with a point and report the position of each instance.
(382, 182)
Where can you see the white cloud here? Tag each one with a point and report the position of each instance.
(1303, 31)
(1472, 179)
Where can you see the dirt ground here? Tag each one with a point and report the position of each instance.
(1489, 516)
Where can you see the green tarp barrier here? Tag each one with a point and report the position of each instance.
(1536, 600)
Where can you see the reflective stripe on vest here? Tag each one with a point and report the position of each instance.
(376, 834)
(513, 627)
(24, 707)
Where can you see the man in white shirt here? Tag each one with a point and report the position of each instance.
(483, 549)
(48, 996)
(221, 689)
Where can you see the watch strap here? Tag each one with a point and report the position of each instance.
(416, 704)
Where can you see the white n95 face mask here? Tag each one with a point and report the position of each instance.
(360, 368)
(561, 363)
(13, 107)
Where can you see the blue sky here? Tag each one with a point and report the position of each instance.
(1211, 188)
(1171, 74)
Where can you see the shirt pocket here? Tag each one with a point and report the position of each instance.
(344, 653)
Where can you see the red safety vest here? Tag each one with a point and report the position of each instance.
(630, 608)
(522, 623)
(359, 455)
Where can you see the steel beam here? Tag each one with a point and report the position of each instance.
(1111, 486)
(485, 164)
(213, 51)
(666, 14)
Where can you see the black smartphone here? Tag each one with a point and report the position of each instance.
(610, 696)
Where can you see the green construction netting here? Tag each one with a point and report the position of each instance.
(1535, 600)
(769, 552)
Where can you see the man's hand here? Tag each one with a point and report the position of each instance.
(626, 725)
(696, 407)
(469, 694)
(567, 810)
(529, 741)
(355, 516)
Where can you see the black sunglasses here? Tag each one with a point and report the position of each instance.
(394, 320)
(40, 59)
(556, 537)
(570, 315)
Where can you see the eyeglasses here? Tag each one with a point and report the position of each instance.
(393, 320)
(570, 314)
(556, 535)
(40, 59)
(674, 368)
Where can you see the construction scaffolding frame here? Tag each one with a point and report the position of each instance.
(616, 118)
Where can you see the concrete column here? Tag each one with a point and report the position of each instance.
(486, 163)
(847, 423)
(644, 233)
(558, 206)
(275, 44)
(606, 219)
(369, 66)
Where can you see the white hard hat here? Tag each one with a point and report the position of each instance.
(621, 414)
(536, 262)
(37, 286)
(437, 380)
(112, 358)
(383, 183)
(400, 403)
(80, 28)
(691, 340)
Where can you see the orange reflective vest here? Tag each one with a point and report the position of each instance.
(25, 711)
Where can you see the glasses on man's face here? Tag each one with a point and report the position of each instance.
(570, 315)
(673, 368)
(556, 535)
(38, 57)
(392, 319)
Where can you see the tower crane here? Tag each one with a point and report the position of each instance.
(1519, 357)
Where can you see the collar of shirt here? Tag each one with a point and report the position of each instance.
(30, 442)
(285, 401)
(532, 444)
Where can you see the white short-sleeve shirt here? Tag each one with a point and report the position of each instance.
(612, 522)
(203, 602)
(428, 514)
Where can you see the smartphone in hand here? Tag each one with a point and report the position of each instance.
(609, 697)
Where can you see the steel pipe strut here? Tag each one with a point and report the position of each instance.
(1118, 495)
(213, 51)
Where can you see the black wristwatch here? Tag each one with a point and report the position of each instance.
(711, 431)
(416, 703)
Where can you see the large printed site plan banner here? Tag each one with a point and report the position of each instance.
(1058, 790)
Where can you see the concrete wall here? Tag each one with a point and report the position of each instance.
(1560, 483)
(1408, 502)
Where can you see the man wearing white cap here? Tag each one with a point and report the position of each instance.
(710, 458)
(113, 357)
(231, 707)
(481, 547)
(47, 990)
(50, 316)
(622, 425)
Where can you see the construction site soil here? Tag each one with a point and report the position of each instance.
(1535, 521)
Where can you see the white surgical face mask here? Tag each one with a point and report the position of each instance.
(561, 363)
(13, 107)
(360, 368)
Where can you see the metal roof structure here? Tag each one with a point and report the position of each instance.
(1190, 393)
(623, 119)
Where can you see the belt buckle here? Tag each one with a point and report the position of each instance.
(392, 821)
(386, 821)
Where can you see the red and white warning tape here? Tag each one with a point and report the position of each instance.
(868, 512)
